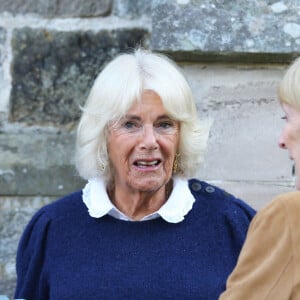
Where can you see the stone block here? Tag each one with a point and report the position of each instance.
(62, 8)
(226, 30)
(52, 71)
(81, 8)
(38, 163)
(132, 9)
(3, 84)
(21, 7)
(242, 102)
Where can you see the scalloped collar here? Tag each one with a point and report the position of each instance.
(180, 202)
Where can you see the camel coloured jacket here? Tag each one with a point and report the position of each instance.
(268, 267)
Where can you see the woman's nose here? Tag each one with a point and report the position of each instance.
(281, 142)
(149, 140)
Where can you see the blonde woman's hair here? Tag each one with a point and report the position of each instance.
(289, 87)
(116, 88)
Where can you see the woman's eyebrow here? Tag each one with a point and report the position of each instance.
(138, 118)
(164, 117)
(131, 117)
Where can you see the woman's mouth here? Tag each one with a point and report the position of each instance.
(147, 163)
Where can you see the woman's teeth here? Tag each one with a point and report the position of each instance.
(147, 163)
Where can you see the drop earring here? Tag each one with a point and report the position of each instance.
(175, 163)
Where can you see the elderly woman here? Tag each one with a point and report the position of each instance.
(268, 267)
(140, 228)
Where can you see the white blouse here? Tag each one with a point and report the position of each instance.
(180, 202)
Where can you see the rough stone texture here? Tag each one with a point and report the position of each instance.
(19, 7)
(3, 103)
(242, 150)
(35, 163)
(239, 99)
(132, 9)
(74, 8)
(54, 70)
(81, 8)
(222, 29)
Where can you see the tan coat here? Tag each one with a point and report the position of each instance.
(269, 264)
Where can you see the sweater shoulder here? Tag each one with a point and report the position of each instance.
(71, 204)
(219, 199)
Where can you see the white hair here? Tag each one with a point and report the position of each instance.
(116, 88)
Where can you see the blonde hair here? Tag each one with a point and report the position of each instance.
(289, 87)
(114, 91)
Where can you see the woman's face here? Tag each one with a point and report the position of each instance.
(290, 137)
(142, 146)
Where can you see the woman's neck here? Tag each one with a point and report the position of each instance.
(138, 204)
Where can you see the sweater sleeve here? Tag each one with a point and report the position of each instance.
(264, 268)
(30, 258)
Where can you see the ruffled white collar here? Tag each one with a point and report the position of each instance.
(180, 202)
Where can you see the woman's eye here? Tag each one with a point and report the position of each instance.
(284, 118)
(132, 125)
(129, 125)
(165, 124)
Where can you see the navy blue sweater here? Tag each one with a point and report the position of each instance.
(66, 254)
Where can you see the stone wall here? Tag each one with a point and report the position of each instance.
(50, 51)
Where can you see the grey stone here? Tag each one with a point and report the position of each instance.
(7, 287)
(62, 8)
(3, 84)
(242, 102)
(38, 163)
(2, 40)
(131, 9)
(19, 6)
(82, 8)
(226, 30)
(53, 71)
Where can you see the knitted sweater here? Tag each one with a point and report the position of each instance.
(66, 254)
